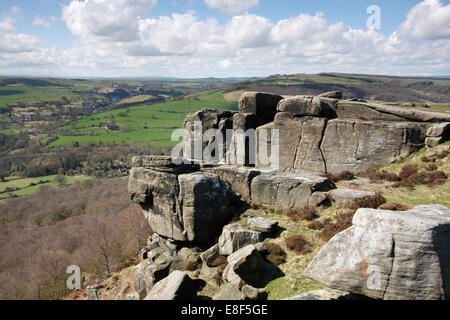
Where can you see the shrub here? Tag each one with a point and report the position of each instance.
(343, 176)
(395, 207)
(218, 277)
(275, 254)
(372, 202)
(298, 244)
(344, 220)
(376, 176)
(307, 214)
(192, 265)
(408, 171)
(427, 177)
(220, 261)
(315, 225)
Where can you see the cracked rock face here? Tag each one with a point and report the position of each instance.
(182, 206)
(288, 191)
(389, 255)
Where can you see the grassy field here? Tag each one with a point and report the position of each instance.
(143, 123)
(30, 185)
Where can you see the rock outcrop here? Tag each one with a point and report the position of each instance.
(389, 255)
(179, 205)
(235, 237)
(177, 286)
(288, 191)
(437, 134)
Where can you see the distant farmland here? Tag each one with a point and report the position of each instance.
(142, 123)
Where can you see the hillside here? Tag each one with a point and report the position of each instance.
(368, 87)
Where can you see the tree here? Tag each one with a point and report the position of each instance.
(60, 180)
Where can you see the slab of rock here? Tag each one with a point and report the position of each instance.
(209, 256)
(320, 295)
(183, 207)
(332, 94)
(411, 114)
(287, 191)
(357, 145)
(433, 141)
(229, 293)
(239, 178)
(251, 293)
(263, 105)
(362, 111)
(206, 203)
(439, 130)
(247, 265)
(177, 286)
(235, 237)
(307, 106)
(263, 225)
(344, 198)
(389, 255)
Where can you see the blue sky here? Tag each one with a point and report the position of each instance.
(212, 38)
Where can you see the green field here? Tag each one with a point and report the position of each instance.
(23, 184)
(143, 123)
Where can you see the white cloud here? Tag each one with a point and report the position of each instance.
(428, 20)
(116, 38)
(41, 22)
(114, 20)
(232, 7)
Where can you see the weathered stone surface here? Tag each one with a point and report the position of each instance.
(439, 130)
(332, 94)
(287, 191)
(363, 111)
(209, 256)
(156, 270)
(321, 295)
(307, 106)
(344, 198)
(251, 293)
(411, 114)
(263, 225)
(263, 105)
(184, 257)
(389, 255)
(229, 293)
(163, 164)
(239, 178)
(235, 237)
(300, 141)
(206, 205)
(209, 119)
(187, 207)
(356, 145)
(248, 265)
(92, 293)
(433, 141)
(177, 286)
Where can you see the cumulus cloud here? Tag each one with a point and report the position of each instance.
(113, 20)
(232, 7)
(428, 20)
(117, 38)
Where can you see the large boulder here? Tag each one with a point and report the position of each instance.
(230, 292)
(307, 106)
(248, 265)
(263, 105)
(239, 178)
(182, 206)
(235, 237)
(357, 145)
(263, 225)
(288, 191)
(344, 198)
(389, 255)
(332, 95)
(208, 119)
(177, 286)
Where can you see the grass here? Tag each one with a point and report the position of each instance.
(143, 123)
(24, 184)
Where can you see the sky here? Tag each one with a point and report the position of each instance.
(223, 38)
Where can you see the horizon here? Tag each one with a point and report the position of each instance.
(223, 39)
